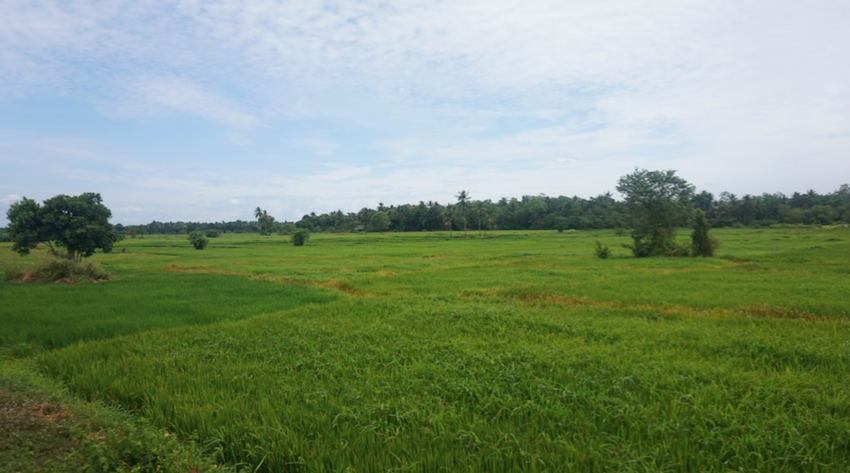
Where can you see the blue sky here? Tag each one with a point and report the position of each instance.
(201, 110)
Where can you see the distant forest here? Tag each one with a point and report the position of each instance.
(539, 213)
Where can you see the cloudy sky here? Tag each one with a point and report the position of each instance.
(202, 110)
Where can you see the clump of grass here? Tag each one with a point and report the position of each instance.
(60, 270)
(602, 251)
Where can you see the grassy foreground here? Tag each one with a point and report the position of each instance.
(509, 352)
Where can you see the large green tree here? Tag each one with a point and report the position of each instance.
(379, 222)
(657, 202)
(79, 225)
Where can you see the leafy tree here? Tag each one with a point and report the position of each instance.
(300, 236)
(560, 224)
(821, 215)
(702, 244)
(379, 222)
(265, 222)
(657, 202)
(198, 239)
(79, 224)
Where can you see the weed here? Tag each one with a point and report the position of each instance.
(602, 252)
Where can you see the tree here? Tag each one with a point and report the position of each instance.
(379, 222)
(702, 244)
(198, 240)
(300, 236)
(79, 224)
(462, 200)
(448, 215)
(657, 202)
(265, 222)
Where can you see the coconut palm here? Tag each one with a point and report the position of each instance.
(463, 200)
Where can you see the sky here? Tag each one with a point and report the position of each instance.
(202, 110)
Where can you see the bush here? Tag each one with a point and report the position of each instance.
(212, 233)
(602, 252)
(60, 270)
(198, 240)
(702, 244)
(300, 236)
(137, 448)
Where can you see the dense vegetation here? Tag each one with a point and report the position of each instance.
(540, 213)
(517, 351)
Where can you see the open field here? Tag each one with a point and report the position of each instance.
(508, 352)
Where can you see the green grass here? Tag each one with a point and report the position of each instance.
(39, 316)
(509, 352)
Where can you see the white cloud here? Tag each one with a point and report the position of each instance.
(413, 99)
(151, 95)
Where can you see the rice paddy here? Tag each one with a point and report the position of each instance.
(512, 351)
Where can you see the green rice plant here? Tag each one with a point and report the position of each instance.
(376, 384)
(516, 352)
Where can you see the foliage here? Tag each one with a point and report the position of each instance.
(212, 233)
(514, 353)
(198, 240)
(79, 224)
(300, 236)
(702, 244)
(657, 202)
(60, 270)
(561, 224)
(287, 228)
(44, 429)
(379, 222)
(539, 212)
(265, 222)
(135, 447)
(602, 251)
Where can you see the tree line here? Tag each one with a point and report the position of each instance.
(533, 212)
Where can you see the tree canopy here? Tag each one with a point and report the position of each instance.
(658, 202)
(265, 222)
(79, 224)
(543, 212)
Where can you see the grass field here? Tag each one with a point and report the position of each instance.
(505, 352)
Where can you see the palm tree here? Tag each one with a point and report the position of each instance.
(264, 221)
(462, 200)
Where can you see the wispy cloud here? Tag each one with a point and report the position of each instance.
(404, 100)
(152, 95)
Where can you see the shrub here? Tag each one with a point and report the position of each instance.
(300, 236)
(212, 233)
(702, 244)
(602, 252)
(60, 270)
(198, 240)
